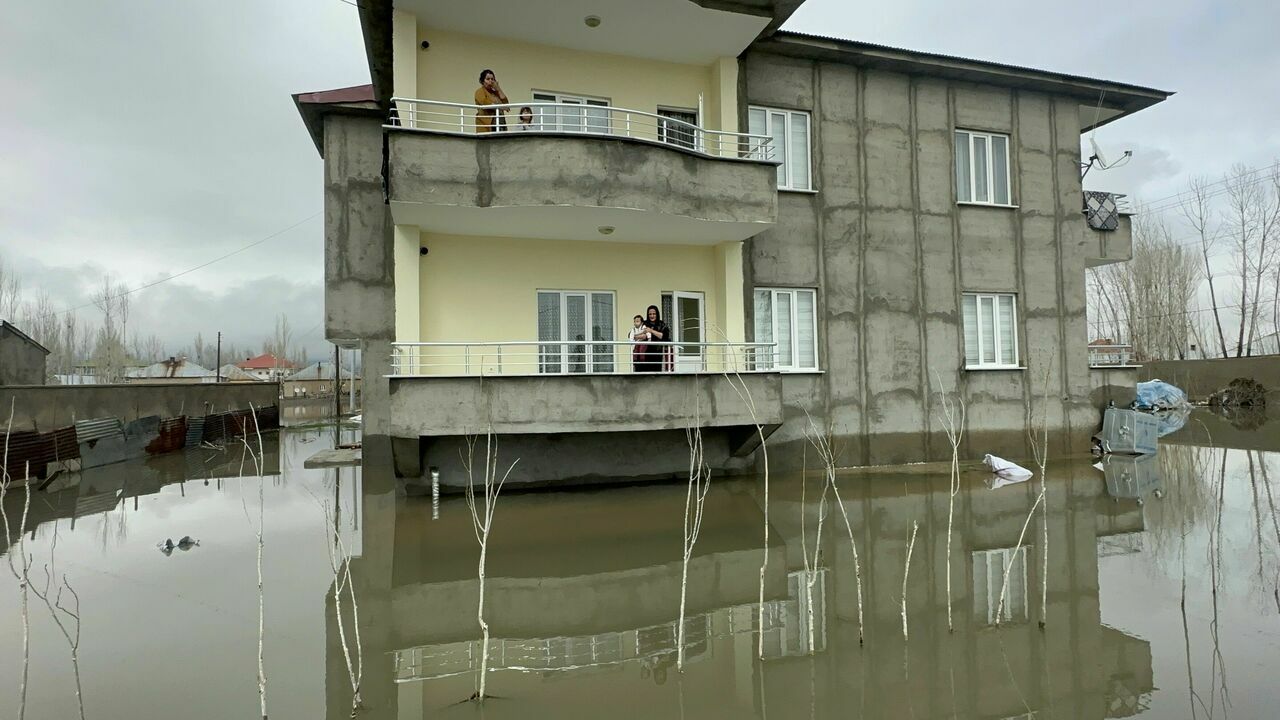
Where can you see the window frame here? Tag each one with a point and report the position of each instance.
(773, 292)
(562, 358)
(787, 166)
(585, 101)
(666, 135)
(994, 297)
(991, 175)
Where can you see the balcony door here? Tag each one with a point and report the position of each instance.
(686, 313)
(568, 320)
(574, 113)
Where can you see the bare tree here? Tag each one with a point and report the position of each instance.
(10, 291)
(1198, 211)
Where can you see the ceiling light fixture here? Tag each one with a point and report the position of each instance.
(592, 21)
(605, 229)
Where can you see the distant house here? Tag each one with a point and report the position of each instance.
(173, 370)
(22, 360)
(233, 373)
(316, 380)
(267, 367)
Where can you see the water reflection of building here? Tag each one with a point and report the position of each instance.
(583, 588)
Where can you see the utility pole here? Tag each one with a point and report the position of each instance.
(218, 362)
(337, 382)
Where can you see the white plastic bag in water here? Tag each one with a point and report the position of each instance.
(1006, 469)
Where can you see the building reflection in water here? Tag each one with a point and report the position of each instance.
(583, 588)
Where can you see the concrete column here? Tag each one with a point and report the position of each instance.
(724, 85)
(404, 53)
(730, 317)
(407, 268)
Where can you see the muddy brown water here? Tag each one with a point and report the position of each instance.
(1160, 597)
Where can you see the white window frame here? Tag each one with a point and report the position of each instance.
(562, 357)
(987, 590)
(585, 101)
(790, 117)
(999, 344)
(773, 292)
(991, 172)
(665, 134)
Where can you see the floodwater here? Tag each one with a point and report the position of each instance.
(1160, 598)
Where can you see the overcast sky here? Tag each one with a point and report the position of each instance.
(142, 138)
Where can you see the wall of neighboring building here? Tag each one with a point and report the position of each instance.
(1201, 378)
(890, 252)
(21, 363)
(53, 406)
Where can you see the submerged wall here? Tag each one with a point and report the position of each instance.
(1200, 378)
(890, 253)
(46, 407)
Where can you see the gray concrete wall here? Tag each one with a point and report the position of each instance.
(1200, 378)
(513, 170)
(21, 363)
(359, 272)
(47, 407)
(890, 253)
(589, 403)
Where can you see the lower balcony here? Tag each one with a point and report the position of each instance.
(518, 388)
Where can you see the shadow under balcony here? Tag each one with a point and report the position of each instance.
(599, 174)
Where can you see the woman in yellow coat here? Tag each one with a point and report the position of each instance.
(490, 93)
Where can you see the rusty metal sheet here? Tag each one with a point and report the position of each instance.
(65, 446)
(129, 444)
(27, 454)
(172, 436)
(216, 427)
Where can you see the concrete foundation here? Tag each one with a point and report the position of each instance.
(46, 407)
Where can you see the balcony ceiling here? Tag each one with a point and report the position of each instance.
(671, 30)
(558, 222)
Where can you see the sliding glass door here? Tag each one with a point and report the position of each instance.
(573, 320)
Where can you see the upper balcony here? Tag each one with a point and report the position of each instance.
(1109, 226)
(581, 170)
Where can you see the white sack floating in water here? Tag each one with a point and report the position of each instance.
(1006, 469)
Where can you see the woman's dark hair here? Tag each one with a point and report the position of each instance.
(655, 310)
(484, 72)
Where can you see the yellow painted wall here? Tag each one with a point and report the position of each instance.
(485, 289)
(450, 70)
(407, 267)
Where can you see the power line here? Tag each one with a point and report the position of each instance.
(1178, 196)
(1161, 205)
(190, 270)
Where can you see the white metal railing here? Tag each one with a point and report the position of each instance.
(557, 118)
(577, 357)
(1101, 356)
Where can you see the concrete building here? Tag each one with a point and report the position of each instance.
(834, 231)
(22, 360)
(317, 381)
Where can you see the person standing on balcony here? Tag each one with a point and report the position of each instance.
(526, 121)
(490, 93)
(659, 332)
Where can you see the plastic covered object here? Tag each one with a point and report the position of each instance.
(1159, 395)
(1008, 471)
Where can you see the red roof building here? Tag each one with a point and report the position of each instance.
(267, 367)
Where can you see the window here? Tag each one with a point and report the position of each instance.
(982, 168)
(569, 317)
(990, 331)
(789, 318)
(989, 567)
(574, 113)
(789, 130)
(677, 127)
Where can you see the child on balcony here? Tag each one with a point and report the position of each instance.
(638, 335)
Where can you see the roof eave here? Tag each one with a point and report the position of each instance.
(1122, 98)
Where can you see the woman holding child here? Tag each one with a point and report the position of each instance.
(648, 356)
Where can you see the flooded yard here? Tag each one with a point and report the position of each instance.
(1146, 588)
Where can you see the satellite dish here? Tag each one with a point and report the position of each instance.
(1097, 152)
